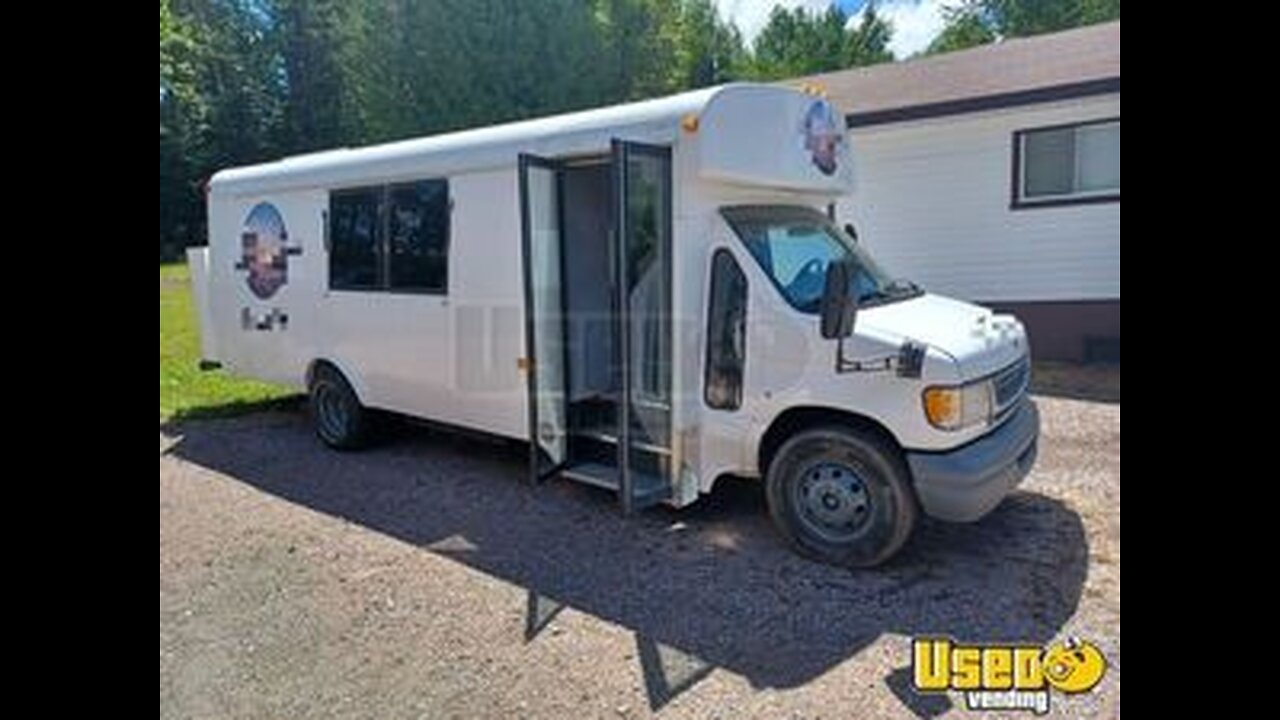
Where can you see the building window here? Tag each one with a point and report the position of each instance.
(390, 238)
(1067, 164)
(355, 239)
(726, 333)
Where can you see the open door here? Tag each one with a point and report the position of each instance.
(642, 217)
(542, 247)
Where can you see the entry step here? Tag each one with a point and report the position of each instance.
(608, 436)
(649, 489)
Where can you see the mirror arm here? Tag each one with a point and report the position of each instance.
(850, 365)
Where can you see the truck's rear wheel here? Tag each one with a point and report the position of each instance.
(340, 421)
(841, 497)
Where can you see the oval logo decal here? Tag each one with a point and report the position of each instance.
(823, 133)
(263, 251)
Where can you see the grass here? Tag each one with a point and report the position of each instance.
(185, 390)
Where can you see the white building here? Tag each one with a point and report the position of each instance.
(993, 174)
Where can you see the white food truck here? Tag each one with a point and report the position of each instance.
(653, 295)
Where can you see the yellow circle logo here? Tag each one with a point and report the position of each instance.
(1074, 666)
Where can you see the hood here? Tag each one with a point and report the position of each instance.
(979, 340)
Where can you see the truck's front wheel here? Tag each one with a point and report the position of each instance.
(339, 418)
(841, 497)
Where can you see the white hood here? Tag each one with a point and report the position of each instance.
(979, 340)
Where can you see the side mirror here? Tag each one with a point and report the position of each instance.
(839, 306)
(852, 231)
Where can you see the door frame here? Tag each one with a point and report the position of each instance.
(621, 151)
(525, 161)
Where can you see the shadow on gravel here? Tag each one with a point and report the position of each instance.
(710, 586)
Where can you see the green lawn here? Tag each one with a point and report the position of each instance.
(186, 391)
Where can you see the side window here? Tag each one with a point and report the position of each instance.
(726, 333)
(418, 236)
(390, 237)
(1067, 164)
(355, 239)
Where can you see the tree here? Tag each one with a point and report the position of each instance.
(220, 101)
(182, 118)
(868, 43)
(797, 42)
(975, 22)
(427, 66)
(963, 28)
(638, 43)
(179, 54)
(244, 81)
(318, 46)
(709, 51)
(1096, 11)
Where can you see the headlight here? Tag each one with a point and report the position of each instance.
(953, 408)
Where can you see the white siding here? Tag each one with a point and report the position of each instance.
(932, 204)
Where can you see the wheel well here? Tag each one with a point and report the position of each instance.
(313, 366)
(794, 420)
(333, 367)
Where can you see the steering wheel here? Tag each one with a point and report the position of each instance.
(809, 281)
(810, 269)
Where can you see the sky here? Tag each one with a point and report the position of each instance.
(915, 22)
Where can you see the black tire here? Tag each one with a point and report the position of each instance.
(340, 421)
(841, 497)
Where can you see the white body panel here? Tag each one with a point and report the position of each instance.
(933, 205)
(455, 357)
(198, 262)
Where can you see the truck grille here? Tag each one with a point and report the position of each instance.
(1011, 383)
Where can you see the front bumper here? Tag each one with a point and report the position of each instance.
(963, 485)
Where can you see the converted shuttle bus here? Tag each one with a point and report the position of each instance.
(653, 295)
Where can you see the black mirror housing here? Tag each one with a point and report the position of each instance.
(839, 305)
(911, 360)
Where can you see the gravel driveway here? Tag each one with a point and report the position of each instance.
(426, 579)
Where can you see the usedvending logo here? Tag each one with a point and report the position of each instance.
(1006, 677)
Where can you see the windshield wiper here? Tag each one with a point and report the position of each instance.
(893, 290)
(902, 285)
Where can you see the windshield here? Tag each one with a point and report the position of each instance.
(794, 244)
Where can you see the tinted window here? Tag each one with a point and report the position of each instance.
(418, 235)
(355, 238)
(392, 237)
(1050, 162)
(726, 333)
(1098, 156)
